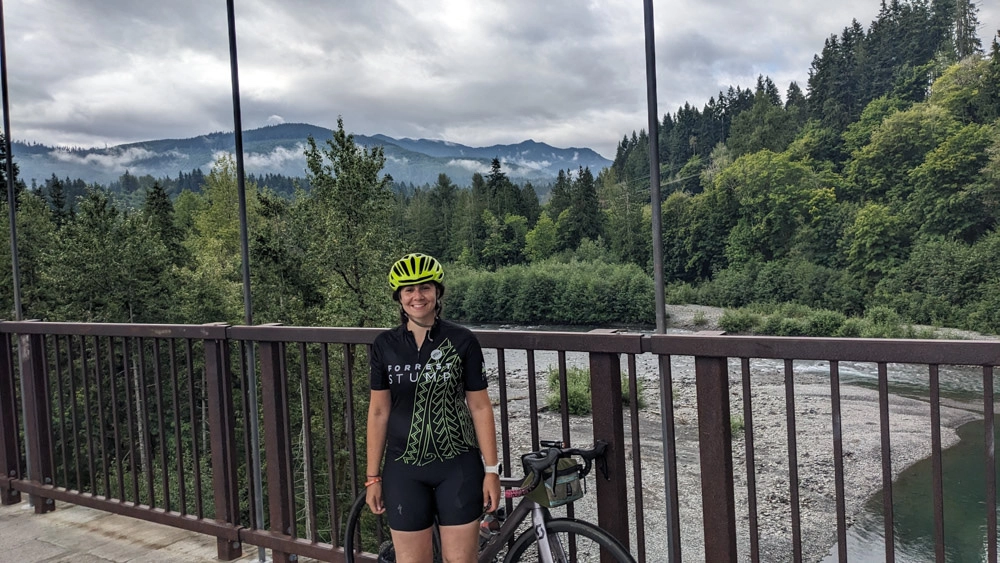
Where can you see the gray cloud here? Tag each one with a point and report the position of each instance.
(564, 72)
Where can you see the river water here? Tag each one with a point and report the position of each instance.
(963, 463)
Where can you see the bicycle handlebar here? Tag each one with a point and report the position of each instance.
(535, 463)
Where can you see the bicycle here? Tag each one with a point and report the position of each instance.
(553, 478)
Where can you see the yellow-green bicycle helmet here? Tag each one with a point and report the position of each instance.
(414, 269)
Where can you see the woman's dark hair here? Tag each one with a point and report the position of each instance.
(437, 302)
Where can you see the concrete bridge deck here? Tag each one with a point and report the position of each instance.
(82, 535)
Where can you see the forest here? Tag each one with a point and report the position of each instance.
(874, 185)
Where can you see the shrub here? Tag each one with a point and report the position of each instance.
(736, 424)
(578, 396)
(740, 321)
(824, 323)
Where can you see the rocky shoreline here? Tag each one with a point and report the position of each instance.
(910, 442)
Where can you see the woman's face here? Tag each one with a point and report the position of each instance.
(419, 302)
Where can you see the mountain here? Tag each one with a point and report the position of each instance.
(278, 149)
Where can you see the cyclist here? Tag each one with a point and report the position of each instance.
(432, 418)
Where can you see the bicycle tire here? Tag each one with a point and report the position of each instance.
(383, 539)
(352, 529)
(605, 543)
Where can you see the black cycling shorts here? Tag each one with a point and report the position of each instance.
(452, 490)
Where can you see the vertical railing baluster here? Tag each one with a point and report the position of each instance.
(38, 417)
(289, 455)
(113, 380)
(937, 472)
(504, 410)
(715, 444)
(608, 426)
(74, 414)
(533, 398)
(193, 402)
(145, 436)
(221, 423)
(883, 402)
(563, 397)
(670, 481)
(178, 443)
(636, 439)
(331, 448)
(131, 397)
(751, 463)
(989, 429)
(307, 456)
(793, 463)
(248, 456)
(49, 390)
(160, 423)
(350, 414)
(10, 448)
(61, 402)
(838, 461)
(275, 402)
(101, 419)
(87, 422)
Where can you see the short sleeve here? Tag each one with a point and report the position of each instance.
(472, 367)
(379, 376)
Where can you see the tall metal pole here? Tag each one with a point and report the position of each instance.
(9, 167)
(654, 168)
(12, 218)
(666, 385)
(247, 302)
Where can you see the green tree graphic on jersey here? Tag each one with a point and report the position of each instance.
(441, 427)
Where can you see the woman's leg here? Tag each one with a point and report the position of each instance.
(460, 544)
(413, 547)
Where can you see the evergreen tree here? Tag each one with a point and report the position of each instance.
(159, 210)
(560, 197)
(351, 221)
(57, 200)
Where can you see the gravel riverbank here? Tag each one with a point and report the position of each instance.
(910, 441)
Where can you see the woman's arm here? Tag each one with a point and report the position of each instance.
(481, 409)
(378, 425)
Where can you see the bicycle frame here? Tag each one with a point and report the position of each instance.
(508, 529)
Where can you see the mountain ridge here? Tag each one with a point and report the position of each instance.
(278, 149)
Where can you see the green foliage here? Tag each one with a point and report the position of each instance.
(550, 292)
(578, 395)
(736, 424)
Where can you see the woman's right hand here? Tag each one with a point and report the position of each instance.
(373, 496)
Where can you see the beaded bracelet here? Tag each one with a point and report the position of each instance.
(372, 481)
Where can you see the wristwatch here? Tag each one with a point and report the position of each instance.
(495, 469)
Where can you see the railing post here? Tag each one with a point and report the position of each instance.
(606, 409)
(38, 419)
(10, 459)
(714, 439)
(222, 434)
(274, 392)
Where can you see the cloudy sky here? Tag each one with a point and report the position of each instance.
(570, 73)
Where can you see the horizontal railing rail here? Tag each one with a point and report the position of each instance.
(153, 422)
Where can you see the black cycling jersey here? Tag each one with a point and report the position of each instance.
(429, 419)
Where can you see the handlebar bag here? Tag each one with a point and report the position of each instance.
(559, 487)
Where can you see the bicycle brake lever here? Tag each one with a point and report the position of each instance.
(602, 462)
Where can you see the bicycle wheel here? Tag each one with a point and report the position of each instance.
(571, 541)
(365, 532)
(369, 533)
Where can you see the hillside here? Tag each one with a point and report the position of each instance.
(278, 149)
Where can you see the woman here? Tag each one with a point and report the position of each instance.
(431, 416)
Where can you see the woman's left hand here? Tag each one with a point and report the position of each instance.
(491, 492)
